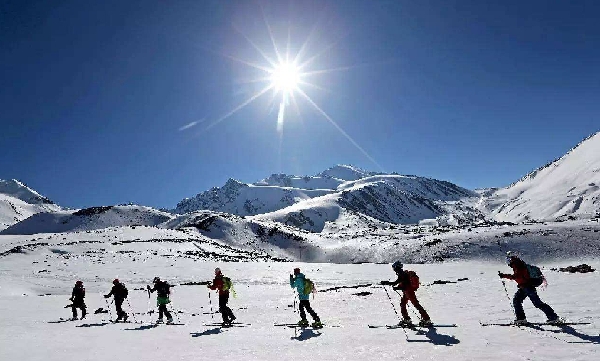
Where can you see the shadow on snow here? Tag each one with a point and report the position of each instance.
(437, 338)
(306, 334)
(212, 331)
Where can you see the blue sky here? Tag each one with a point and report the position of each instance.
(94, 94)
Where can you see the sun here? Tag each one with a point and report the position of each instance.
(285, 77)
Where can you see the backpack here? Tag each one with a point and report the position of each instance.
(227, 284)
(413, 280)
(535, 275)
(124, 291)
(309, 286)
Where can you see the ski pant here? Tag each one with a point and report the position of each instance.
(409, 295)
(76, 305)
(522, 294)
(119, 306)
(162, 309)
(226, 312)
(305, 304)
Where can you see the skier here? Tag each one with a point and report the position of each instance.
(526, 288)
(77, 297)
(408, 282)
(163, 291)
(119, 291)
(223, 284)
(298, 281)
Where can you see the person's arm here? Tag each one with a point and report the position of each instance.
(292, 281)
(112, 292)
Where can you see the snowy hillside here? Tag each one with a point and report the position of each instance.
(18, 202)
(36, 283)
(309, 202)
(387, 198)
(566, 187)
(88, 219)
(17, 189)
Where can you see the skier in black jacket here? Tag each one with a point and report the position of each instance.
(163, 291)
(119, 291)
(77, 297)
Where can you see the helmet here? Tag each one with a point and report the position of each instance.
(79, 283)
(115, 281)
(397, 266)
(217, 271)
(510, 257)
(156, 279)
(296, 271)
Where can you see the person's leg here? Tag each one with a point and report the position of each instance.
(413, 299)
(313, 314)
(161, 310)
(83, 310)
(74, 309)
(535, 299)
(301, 307)
(223, 307)
(119, 307)
(403, 310)
(518, 299)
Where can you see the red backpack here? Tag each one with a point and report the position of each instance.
(413, 280)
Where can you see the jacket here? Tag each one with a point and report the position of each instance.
(78, 294)
(119, 291)
(297, 282)
(520, 274)
(403, 282)
(217, 284)
(162, 289)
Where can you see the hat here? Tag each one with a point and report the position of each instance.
(296, 271)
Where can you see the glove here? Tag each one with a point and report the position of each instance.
(291, 277)
(148, 287)
(501, 275)
(386, 283)
(106, 296)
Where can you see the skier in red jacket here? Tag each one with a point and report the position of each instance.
(223, 287)
(408, 282)
(526, 288)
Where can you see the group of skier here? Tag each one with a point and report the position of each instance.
(527, 277)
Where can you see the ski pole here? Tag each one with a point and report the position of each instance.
(396, 312)
(108, 308)
(148, 312)
(131, 310)
(212, 314)
(508, 296)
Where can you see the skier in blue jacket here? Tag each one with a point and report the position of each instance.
(297, 281)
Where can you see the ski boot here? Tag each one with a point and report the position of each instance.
(522, 322)
(74, 318)
(425, 323)
(556, 321)
(169, 321)
(160, 320)
(125, 317)
(303, 323)
(317, 324)
(406, 322)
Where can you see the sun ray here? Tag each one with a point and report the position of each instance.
(262, 10)
(254, 65)
(303, 82)
(262, 53)
(242, 105)
(342, 131)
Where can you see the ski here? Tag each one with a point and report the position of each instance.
(412, 326)
(234, 324)
(295, 325)
(535, 324)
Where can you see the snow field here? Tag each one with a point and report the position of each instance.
(264, 298)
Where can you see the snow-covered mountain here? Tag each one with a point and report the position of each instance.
(566, 187)
(88, 219)
(18, 202)
(308, 202)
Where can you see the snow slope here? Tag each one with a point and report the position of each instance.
(35, 285)
(88, 219)
(566, 187)
(18, 202)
